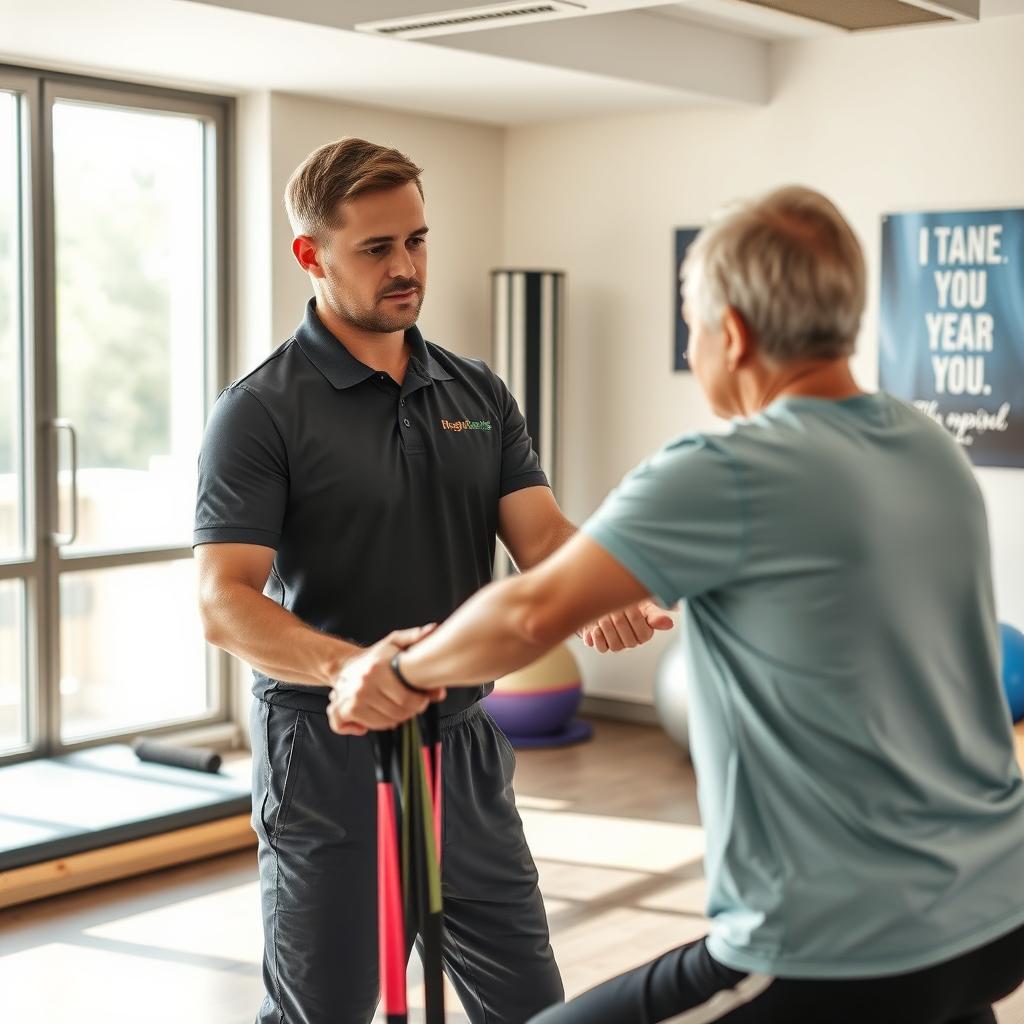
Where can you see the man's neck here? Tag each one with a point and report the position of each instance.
(386, 353)
(829, 379)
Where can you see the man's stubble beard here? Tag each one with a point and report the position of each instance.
(375, 320)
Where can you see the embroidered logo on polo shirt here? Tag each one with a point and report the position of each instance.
(458, 425)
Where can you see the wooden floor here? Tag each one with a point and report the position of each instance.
(613, 825)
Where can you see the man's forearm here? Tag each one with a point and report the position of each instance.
(275, 642)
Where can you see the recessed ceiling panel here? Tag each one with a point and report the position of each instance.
(863, 14)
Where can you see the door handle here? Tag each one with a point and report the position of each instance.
(62, 539)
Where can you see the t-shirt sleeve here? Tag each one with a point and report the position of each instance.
(243, 474)
(676, 521)
(520, 466)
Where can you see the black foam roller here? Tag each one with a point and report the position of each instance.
(199, 759)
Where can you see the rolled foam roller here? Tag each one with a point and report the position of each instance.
(199, 759)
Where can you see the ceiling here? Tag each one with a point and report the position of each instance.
(585, 58)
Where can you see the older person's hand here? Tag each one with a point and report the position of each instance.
(367, 694)
(630, 627)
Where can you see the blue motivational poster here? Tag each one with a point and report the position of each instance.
(684, 236)
(951, 325)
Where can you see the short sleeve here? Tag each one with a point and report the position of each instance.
(676, 522)
(243, 474)
(520, 466)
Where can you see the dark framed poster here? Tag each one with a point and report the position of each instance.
(951, 325)
(684, 236)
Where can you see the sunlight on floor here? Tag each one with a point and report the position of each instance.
(628, 843)
(580, 883)
(223, 925)
(64, 983)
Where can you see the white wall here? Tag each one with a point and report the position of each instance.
(463, 175)
(913, 119)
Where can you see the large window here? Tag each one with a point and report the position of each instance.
(112, 346)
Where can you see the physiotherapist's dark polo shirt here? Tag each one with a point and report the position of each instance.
(381, 502)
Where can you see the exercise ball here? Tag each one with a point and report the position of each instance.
(534, 707)
(1012, 643)
(670, 695)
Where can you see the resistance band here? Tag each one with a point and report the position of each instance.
(409, 785)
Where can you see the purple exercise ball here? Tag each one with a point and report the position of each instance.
(541, 713)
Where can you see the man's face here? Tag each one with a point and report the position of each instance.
(375, 262)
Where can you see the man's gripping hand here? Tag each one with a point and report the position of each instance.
(367, 694)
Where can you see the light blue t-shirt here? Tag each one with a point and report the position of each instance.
(863, 806)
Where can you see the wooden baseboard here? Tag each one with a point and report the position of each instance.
(81, 870)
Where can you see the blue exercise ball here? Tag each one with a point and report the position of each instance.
(1012, 644)
(670, 696)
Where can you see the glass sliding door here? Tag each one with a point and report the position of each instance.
(129, 204)
(130, 272)
(127, 341)
(131, 649)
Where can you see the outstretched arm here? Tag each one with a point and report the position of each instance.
(501, 628)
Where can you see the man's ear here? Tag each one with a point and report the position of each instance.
(306, 254)
(739, 342)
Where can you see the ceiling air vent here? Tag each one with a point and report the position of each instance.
(468, 19)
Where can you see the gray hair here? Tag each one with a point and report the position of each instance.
(790, 265)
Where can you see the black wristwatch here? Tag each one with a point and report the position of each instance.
(398, 675)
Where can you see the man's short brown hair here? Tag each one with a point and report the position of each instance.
(338, 172)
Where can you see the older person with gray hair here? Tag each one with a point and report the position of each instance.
(863, 807)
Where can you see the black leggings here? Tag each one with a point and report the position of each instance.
(687, 986)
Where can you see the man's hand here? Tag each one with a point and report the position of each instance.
(367, 695)
(630, 627)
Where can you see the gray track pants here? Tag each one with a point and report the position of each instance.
(314, 810)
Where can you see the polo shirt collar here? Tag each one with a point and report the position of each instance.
(342, 368)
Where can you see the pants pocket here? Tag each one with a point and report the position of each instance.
(503, 742)
(285, 733)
